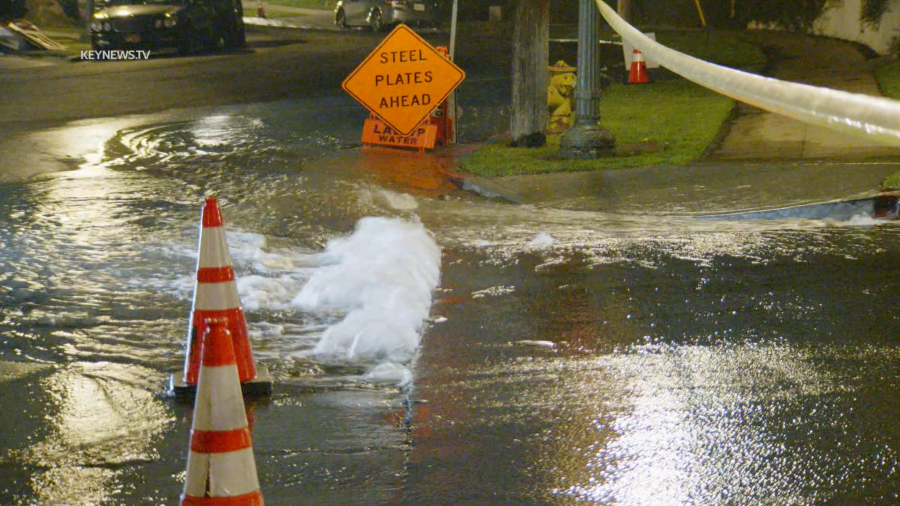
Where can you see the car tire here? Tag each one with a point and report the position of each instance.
(196, 43)
(219, 43)
(340, 19)
(186, 44)
(212, 40)
(375, 21)
(235, 39)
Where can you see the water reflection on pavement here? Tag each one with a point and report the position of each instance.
(717, 380)
(567, 357)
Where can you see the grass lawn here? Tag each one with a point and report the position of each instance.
(888, 75)
(666, 123)
(675, 119)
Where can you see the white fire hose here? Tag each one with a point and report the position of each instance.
(876, 117)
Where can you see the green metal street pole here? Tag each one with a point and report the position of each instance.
(587, 138)
(451, 100)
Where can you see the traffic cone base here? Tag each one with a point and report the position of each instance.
(260, 386)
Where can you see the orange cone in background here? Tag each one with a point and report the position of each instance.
(221, 469)
(638, 72)
(260, 12)
(216, 296)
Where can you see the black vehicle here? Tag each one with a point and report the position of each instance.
(186, 25)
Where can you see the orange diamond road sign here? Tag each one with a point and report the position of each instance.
(403, 80)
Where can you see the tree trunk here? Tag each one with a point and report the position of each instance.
(623, 9)
(530, 74)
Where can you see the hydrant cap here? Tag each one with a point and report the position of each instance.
(561, 67)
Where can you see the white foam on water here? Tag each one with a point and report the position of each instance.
(543, 239)
(389, 373)
(383, 276)
(261, 292)
(399, 201)
(865, 220)
(377, 282)
(393, 200)
(275, 275)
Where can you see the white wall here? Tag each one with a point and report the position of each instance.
(841, 20)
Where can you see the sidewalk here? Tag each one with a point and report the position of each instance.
(818, 61)
(764, 161)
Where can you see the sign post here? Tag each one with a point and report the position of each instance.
(401, 82)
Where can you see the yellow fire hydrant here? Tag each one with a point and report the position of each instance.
(561, 97)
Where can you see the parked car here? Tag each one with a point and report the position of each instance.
(379, 13)
(186, 25)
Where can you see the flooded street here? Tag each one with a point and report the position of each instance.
(430, 345)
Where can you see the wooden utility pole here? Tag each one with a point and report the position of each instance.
(530, 73)
(623, 9)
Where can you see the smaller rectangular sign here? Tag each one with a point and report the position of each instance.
(378, 132)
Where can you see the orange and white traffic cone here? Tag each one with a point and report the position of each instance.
(216, 296)
(221, 468)
(638, 72)
(260, 12)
